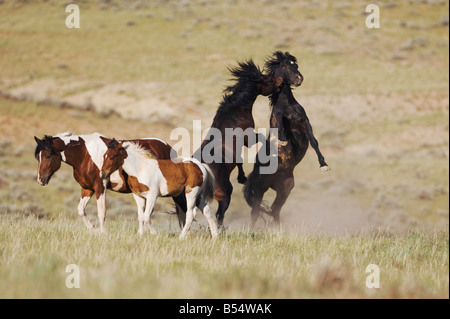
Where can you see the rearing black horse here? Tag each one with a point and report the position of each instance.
(234, 112)
(294, 135)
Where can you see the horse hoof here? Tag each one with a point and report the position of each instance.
(325, 168)
(242, 180)
(282, 143)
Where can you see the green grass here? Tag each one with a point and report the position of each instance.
(35, 252)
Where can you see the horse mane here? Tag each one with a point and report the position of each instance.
(64, 134)
(141, 151)
(277, 58)
(270, 68)
(245, 75)
(45, 143)
(245, 72)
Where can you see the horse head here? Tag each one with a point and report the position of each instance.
(285, 66)
(113, 158)
(269, 84)
(49, 159)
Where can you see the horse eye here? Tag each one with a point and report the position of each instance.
(48, 156)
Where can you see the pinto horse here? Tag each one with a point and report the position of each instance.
(294, 134)
(234, 112)
(85, 154)
(150, 178)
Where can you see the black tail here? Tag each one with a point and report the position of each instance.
(249, 192)
(181, 207)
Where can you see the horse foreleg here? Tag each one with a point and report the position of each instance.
(140, 203)
(315, 145)
(86, 195)
(101, 209)
(241, 174)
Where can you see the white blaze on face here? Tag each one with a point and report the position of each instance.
(39, 168)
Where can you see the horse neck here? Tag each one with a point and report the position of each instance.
(245, 98)
(284, 96)
(72, 153)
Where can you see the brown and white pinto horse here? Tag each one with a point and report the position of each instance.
(85, 154)
(150, 178)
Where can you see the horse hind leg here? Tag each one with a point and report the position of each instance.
(241, 174)
(180, 206)
(147, 216)
(223, 196)
(283, 190)
(190, 201)
(203, 206)
(140, 203)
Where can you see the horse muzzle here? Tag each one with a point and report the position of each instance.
(298, 80)
(105, 175)
(42, 181)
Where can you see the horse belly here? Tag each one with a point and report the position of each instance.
(136, 186)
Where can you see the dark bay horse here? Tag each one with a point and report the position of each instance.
(85, 154)
(234, 112)
(294, 135)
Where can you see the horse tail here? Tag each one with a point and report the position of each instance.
(249, 193)
(208, 188)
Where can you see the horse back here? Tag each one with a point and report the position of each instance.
(157, 147)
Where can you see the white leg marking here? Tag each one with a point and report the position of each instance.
(101, 211)
(207, 212)
(140, 203)
(149, 206)
(191, 198)
(81, 206)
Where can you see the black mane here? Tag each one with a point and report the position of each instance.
(113, 143)
(45, 143)
(277, 58)
(245, 75)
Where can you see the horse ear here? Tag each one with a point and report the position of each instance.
(104, 139)
(113, 143)
(37, 140)
(123, 147)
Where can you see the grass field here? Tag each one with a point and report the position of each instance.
(240, 264)
(377, 99)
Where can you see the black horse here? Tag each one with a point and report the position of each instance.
(294, 135)
(234, 112)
